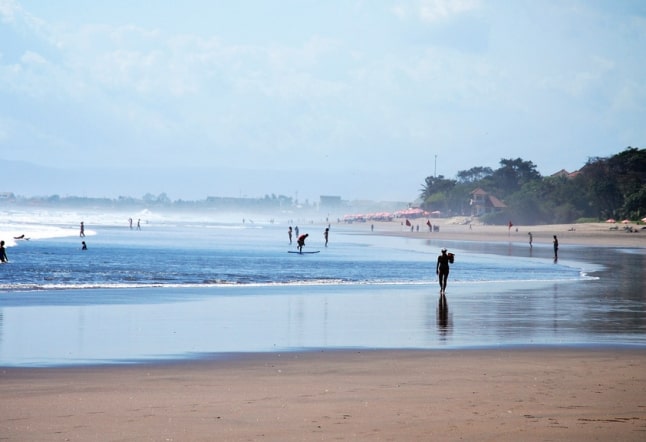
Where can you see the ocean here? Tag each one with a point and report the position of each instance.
(194, 286)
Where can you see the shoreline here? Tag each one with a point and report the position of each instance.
(502, 393)
(495, 394)
(587, 234)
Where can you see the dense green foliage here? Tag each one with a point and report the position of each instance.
(603, 188)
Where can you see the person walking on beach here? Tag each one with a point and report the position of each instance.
(289, 233)
(326, 234)
(3, 253)
(301, 242)
(556, 248)
(531, 238)
(82, 233)
(442, 270)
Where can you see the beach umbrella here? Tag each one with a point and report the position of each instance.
(625, 221)
(610, 220)
(644, 219)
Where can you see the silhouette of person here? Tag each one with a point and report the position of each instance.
(82, 233)
(289, 233)
(326, 234)
(556, 248)
(531, 238)
(3, 253)
(139, 224)
(442, 270)
(301, 242)
(83, 245)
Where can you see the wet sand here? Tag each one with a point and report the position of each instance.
(502, 395)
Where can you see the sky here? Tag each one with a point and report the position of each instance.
(360, 99)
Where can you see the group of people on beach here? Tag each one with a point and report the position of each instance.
(300, 241)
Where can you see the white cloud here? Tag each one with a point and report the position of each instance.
(432, 11)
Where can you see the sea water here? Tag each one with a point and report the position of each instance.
(182, 288)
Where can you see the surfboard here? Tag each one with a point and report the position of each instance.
(303, 253)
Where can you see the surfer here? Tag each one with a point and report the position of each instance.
(326, 233)
(3, 253)
(442, 270)
(289, 233)
(301, 242)
(83, 245)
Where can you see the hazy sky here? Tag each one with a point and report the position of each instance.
(359, 96)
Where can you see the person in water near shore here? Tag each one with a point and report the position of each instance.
(442, 270)
(301, 242)
(556, 248)
(289, 233)
(83, 245)
(326, 234)
(3, 253)
(82, 233)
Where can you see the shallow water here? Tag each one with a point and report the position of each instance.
(180, 290)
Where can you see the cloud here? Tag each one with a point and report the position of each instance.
(434, 11)
(431, 11)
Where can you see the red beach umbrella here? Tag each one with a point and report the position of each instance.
(625, 221)
(611, 220)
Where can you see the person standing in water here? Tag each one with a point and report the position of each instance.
(301, 242)
(289, 233)
(3, 253)
(82, 233)
(442, 270)
(326, 234)
(83, 245)
(556, 248)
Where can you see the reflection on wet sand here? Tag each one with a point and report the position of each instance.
(443, 320)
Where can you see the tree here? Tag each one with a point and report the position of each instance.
(511, 176)
(433, 185)
(474, 174)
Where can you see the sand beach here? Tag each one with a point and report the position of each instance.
(456, 229)
(530, 393)
(483, 395)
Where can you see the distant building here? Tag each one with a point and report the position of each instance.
(565, 174)
(483, 203)
(7, 196)
(330, 202)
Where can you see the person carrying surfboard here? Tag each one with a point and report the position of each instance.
(442, 269)
(301, 241)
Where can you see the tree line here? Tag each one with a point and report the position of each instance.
(612, 187)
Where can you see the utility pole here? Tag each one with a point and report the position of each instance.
(435, 171)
